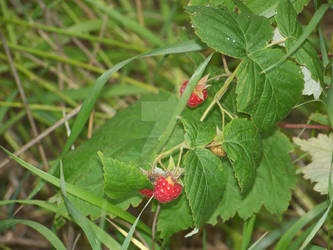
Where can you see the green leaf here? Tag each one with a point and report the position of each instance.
(77, 216)
(242, 144)
(300, 40)
(198, 134)
(79, 192)
(47, 233)
(182, 103)
(128, 238)
(286, 19)
(270, 96)
(288, 236)
(121, 178)
(320, 148)
(320, 118)
(129, 137)
(89, 102)
(274, 179)
(204, 183)
(174, 217)
(105, 238)
(235, 35)
(289, 26)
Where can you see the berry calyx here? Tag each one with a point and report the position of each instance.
(147, 192)
(198, 95)
(166, 189)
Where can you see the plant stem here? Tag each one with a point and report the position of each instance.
(221, 92)
(154, 225)
(276, 42)
(286, 125)
(182, 104)
(168, 152)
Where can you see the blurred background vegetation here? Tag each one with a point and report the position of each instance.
(59, 48)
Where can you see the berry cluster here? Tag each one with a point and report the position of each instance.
(198, 95)
(165, 190)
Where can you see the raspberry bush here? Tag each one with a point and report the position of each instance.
(210, 149)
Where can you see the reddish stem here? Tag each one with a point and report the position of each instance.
(329, 56)
(287, 125)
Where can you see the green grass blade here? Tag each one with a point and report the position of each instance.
(307, 31)
(11, 121)
(80, 193)
(131, 231)
(255, 244)
(70, 33)
(47, 233)
(105, 238)
(247, 232)
(88, 104)
(128, 23)
(323, 49)
(3, 110)
(182, 103)
(316, 228)
(304, 220)
(324, 216)
(79, 219)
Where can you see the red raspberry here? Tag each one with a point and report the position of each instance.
(147, 192)
(166, 189)
(198, 95)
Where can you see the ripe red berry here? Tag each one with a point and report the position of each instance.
(198, 95)
(166, 189)
(147, 192)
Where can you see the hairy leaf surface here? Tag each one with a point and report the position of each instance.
(268, 97)
(235, 35)
(272, 187)
(242, 144)
(204, 183)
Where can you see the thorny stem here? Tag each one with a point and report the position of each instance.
(217, 77)
(168, 152)
(221, 92)
(179, 159)
(223, 110)
(154, 225)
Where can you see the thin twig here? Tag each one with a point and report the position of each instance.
(63, 105)
(25, 101)
(42, 135)
(225, 65)
(154, 225)
(59, 73)
(221, 92)
(136, 232)
(101, 34)
(91, 123)
(287, 125)
(124, 233)
(140, 13)
(86, 9)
